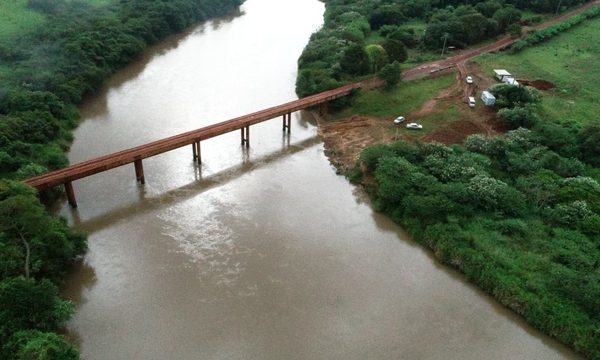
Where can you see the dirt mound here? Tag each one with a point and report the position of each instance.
(538, 84)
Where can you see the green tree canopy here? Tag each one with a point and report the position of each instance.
(390, 73)
(355, 61)
(30, 304)
(31, 242)
(395, 50)
(38, 345)
(378, 57)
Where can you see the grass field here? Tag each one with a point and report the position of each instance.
(571, 61)
(440, 117)
(15, 18)
(405, 98)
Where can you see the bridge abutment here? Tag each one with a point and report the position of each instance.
(323, 108)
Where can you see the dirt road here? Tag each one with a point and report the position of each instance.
(501, 43)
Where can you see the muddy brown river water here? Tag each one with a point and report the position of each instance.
(263, 253)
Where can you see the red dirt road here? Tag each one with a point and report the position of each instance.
(503, 42)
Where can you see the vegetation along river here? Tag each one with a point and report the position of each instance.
(263, 253)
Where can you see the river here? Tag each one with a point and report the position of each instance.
(263, 253)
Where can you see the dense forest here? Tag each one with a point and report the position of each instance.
(45, 73)
(360, 37)
(518, 214)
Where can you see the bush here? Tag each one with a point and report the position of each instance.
(370, 156)
(589, 145)
(391, 74)
(518, 116)
(29, 304)
(395, 50)
(33, 344)
(510, 96)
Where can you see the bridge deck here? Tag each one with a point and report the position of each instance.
(107, 162)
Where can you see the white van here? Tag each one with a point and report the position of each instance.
(471, 101)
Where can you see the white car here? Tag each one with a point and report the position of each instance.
(399, 119)
(471, 101)
(414, 126)
(469, 79)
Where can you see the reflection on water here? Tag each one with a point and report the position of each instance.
(81, 278)
(259, 253)
(97, 103)
(199, 185)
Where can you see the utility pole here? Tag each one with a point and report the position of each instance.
(445, 38)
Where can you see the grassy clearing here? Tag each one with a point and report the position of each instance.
(404, 99)
(419, 56)
(571, 61)
(15, 18)
(529, 15)
(437, 119)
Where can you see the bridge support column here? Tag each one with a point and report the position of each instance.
(139, 171)
(323, 109)
(197, 152)
(70, 194)
(287, 122)
(246, 136)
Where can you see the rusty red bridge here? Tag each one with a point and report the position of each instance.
(135, 155)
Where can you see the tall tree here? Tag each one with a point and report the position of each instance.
(395, 50)
(355, 61)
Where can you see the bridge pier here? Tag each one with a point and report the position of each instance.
(197, 152)
(323, 109)
(287, 122)
(139, 171)
(246, 136)
(70, 194)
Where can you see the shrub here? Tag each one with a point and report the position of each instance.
(391, 74)
(33, 344)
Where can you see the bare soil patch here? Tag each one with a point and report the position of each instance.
(538, 84)
(453, 133)
(344, 140)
